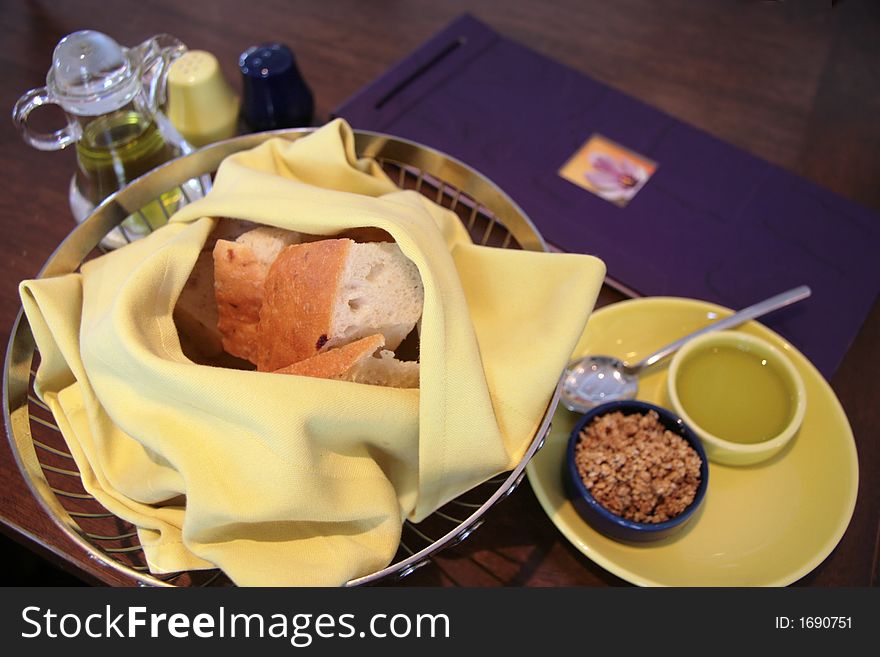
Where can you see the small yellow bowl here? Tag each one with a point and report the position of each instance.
(740, 395)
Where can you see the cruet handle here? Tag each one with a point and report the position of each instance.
(44, 141)
(155, 56)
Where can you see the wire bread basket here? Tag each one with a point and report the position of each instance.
(491, 218)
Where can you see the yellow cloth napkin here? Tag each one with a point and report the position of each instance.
(287, 480)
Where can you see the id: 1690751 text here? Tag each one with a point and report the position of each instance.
(814, 623)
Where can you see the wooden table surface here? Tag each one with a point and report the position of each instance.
(793, 82)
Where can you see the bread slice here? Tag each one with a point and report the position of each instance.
(359, 362)
(383, 369)
(195, 313)
(240, 270)
(326, 294)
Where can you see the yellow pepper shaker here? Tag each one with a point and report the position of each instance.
(201, 104)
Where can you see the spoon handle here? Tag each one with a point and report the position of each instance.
(773, 303)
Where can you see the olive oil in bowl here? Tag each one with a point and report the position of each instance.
(740, 394)
(735, 394)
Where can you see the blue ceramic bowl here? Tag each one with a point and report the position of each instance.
(598, 516)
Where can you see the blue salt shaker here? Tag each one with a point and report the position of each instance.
(274, 94)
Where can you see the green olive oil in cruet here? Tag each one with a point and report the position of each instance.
(114, 150)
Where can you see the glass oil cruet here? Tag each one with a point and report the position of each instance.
(112, 98)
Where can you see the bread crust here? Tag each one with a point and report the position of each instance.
(336, 362)
(238, 287)
(298, 301)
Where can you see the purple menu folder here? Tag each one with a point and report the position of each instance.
(712, 223)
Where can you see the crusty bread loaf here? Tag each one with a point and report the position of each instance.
(302, 304)
(240, 268)
(359, 361)
(195, 313)
(325, 294)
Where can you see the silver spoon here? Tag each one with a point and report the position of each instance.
(594, 380)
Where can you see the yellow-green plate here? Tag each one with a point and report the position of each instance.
(763, 525)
